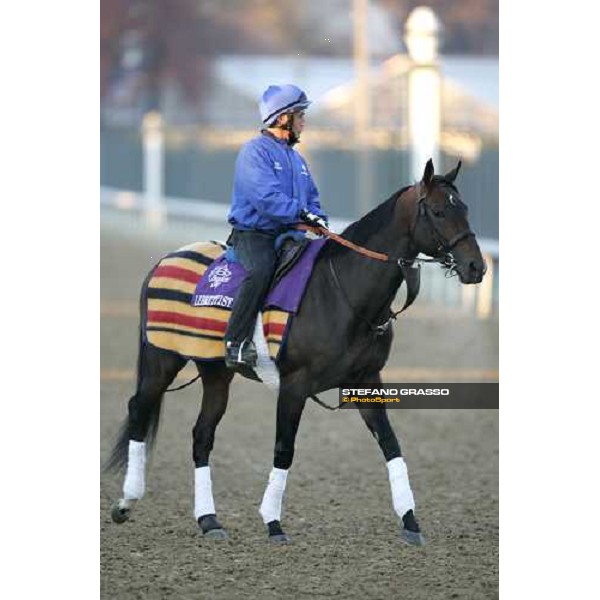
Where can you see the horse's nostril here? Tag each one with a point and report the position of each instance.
(478, 266)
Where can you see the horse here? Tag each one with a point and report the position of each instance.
(340, 335)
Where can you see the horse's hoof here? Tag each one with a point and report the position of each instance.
(412, 538)
(118, 514)
(216, 534)
(276, 534)
(211, 528)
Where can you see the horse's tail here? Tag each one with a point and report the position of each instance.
(118, 458)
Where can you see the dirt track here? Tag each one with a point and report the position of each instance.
(338, 504)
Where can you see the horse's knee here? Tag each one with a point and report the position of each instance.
(283, 457)
(388, 442)
(382, 431)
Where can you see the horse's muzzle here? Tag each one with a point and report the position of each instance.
(472, 271)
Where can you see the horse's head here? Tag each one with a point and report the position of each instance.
(441, 228)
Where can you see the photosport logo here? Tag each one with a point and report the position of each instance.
(219, 276)
(419, 395)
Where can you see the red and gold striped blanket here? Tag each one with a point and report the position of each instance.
(195, 332)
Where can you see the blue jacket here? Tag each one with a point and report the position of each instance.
(271, 186)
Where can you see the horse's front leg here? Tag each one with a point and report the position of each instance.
(289, 411)
(376, 419)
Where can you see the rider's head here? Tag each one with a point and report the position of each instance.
(282, 109)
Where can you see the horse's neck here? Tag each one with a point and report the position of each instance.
(369, 283)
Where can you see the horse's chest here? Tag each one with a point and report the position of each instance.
(369, 354)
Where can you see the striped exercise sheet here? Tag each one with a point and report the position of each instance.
(196, 332)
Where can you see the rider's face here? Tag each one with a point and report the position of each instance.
(298, 122)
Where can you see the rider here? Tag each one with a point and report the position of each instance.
(272, 191)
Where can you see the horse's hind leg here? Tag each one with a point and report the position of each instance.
(156, 370)
(215, 382)
(376, 419)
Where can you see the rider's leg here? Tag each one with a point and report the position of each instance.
(256, 252)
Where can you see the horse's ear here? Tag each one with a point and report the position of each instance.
(428, 173)
(451, 176)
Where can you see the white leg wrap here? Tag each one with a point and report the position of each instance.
(270, 508)
(204, 503)
(402, 496)
(135, 484)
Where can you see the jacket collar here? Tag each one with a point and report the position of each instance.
(268, 134)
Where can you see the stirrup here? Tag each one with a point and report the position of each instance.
(243, 354)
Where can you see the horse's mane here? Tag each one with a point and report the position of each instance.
(360, 231)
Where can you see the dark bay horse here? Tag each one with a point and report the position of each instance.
(336, 338)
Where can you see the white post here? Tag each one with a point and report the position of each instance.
(152, 131)
(422, 35)
(362, 107)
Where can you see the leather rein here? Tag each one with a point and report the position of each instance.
(411, 273)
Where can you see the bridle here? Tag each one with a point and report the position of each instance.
(410, 266)
(443, 253)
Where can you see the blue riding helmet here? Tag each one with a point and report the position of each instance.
(280, 99)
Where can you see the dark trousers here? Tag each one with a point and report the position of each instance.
(255, 250)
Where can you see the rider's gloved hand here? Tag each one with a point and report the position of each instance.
(312, 219)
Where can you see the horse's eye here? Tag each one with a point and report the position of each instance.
(438, 213)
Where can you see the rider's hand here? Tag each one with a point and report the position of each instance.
(313, 219)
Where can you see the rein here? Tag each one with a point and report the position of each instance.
(348, 244)
(445, 247)
(410, 272)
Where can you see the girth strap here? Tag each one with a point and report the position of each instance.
(412, 277)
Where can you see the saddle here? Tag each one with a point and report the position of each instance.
(289, 246)
(290, 249)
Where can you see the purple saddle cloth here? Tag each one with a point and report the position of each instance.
(221, 281)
